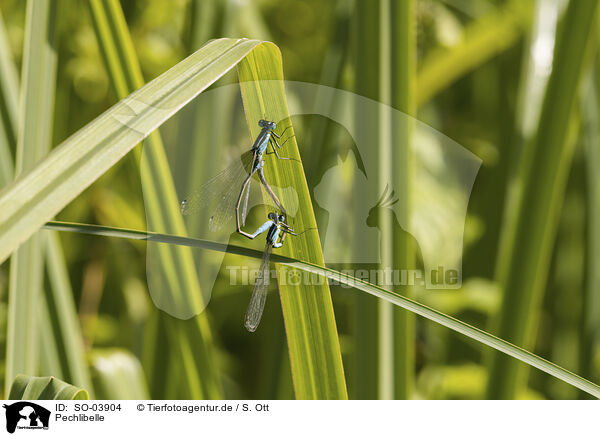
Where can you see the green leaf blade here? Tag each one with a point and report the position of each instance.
(177, 281)
(38, 195)
(26, 268)
(398, 300)
(315, 356)
(525, 254)
(26, 387)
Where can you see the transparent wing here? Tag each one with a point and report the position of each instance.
(259, 294)
(219, 194)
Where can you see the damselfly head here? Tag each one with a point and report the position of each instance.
(273, 216)
(271, 125)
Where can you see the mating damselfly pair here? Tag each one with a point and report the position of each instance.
(226, 195)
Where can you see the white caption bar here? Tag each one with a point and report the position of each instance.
(301, 417)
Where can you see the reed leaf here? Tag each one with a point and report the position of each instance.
(591, 306)
(62, 331)
(524, 258)
(313, 342)
(38, 194)
(486, 37)
(26, 267)
(370, 354)
(403, 97)
(176, 263)
(62, 344)
(406, 303)
(9, 86)
(25, 387)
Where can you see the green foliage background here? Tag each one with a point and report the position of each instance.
(470, 72)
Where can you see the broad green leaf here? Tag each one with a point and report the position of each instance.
(26, 387)
(313, 343)
(37, 195)
(398, 300)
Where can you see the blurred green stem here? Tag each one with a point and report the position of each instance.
(9, 87)
(367, 83)
(36, 109)
(378, 292)
(483, 39)
(523, 263)
(67, 338)
(62, 348)
(403, 99)
(159, 194)
(591, 302)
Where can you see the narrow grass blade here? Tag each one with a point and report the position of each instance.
(591, 305)
(64, 324)
(524, 261)
(176, 263)
(396, 299)
(40, 193)
(323, 147)
(62, 344)
(483, 39)
(117, 375)
(26, 268)
(9, 86)
(367, 362)
(313, 342)
(26, 387)
(403, 97)
(532, 84)
(156, 340)
(159, 192)
(203, 16)
(170, 344)
(198, 373)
